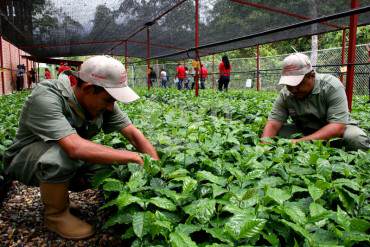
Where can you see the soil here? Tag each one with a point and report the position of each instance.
(21, 220)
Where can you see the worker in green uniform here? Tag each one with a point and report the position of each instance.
(317, 105)
(52, 147)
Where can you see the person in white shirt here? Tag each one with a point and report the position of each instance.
(164, 78)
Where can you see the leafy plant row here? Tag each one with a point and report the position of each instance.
(216, 185)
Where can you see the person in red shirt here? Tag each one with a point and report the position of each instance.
(224, 69)
(63, 67)
(180, 75)
(203, 76)
(47, 74)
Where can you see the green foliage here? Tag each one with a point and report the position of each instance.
(217, 185)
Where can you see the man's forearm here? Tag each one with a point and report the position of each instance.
(82, 149)
(139, 141)
(330, 130)
(272, 128)
(143, 145)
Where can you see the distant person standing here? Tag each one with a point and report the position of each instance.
(164, 79)
(31, 77)
(180, 75)
(203, 76)
(152, 76)
(20, 77)
(368, 60)
(224, 69)
(186, 80)
(47, 74)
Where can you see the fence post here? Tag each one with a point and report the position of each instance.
(213, 71)
(343, 52)
(2, 65)
(351, 54)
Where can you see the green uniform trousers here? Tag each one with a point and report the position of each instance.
(47, 162)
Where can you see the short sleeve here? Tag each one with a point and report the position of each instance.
(279, 111)
(115, 120)
(45, 118)
(337, 106)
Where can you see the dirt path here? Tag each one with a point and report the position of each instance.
(21, 220)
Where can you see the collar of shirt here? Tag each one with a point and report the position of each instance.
(67, 92)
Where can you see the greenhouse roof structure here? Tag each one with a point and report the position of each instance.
(61, 28)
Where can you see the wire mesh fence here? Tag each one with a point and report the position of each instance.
(244, 72)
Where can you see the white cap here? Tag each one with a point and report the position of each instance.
(109, 73)
(295, 67)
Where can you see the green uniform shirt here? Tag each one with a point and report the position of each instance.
(52, 112)
(327, 103)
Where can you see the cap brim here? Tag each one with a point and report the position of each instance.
(291, 80)
(123, 94)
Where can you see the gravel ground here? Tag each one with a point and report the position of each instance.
(21, 220)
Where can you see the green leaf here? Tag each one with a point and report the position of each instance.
(324, 238)
(179, 239)
(360, 225)
(189, 185)
(217, 190)
(278, 195)
(178, 173)
(243, 226)
(345, 198)
(237, 173)
(100, 176)
(124, 199)
(272, 238)
(138, 223)
(118, 218)
(234, 225)
(204, 175)
(252, 228)
(187, 228)
(298, 229)
(315, 192)
(202, 209)
(295, 213)
(297, 189)
(111, 184)
(317, 210)
(347, 182)
(137, 181)
(163, 203)
(219, 234)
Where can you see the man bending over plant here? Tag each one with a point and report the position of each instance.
(316, 103)
(52, 144)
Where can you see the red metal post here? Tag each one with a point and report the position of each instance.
(2, 65)
(148, 55)
(351, 54)
(213, 71)
(343, 52)
(196, 47)
(258, 67)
